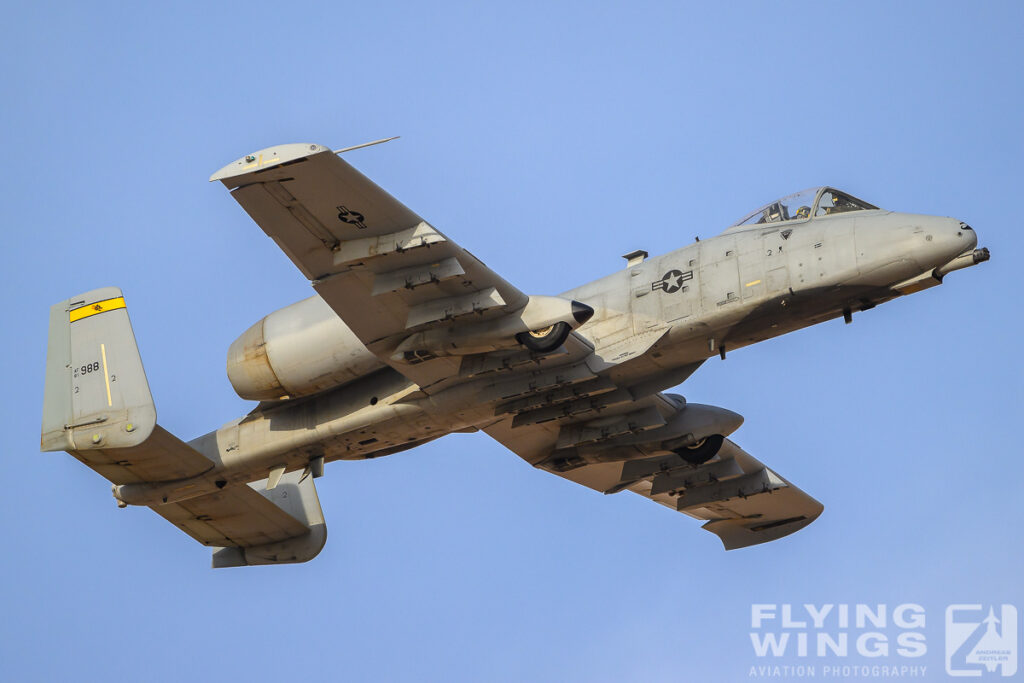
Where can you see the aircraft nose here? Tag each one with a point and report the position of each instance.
(968, 232)
(945, 239)
(957, 237)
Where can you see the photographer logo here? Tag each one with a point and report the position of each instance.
(981, 640)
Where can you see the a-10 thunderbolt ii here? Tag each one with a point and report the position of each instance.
(410, 337)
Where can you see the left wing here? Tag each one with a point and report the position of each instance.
(743, 501)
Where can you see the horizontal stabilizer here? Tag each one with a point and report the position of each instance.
(250, 525)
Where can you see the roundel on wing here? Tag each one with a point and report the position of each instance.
(351, 217)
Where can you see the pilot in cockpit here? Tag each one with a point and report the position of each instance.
(820, 201)
(841, 204)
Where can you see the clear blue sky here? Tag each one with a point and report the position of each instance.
(548, 138)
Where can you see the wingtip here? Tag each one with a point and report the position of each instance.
(267, 158)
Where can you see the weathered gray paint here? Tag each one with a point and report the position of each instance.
(427, 347)
(97, 395)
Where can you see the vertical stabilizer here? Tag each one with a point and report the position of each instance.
(96, 395)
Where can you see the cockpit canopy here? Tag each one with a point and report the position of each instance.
(818, 201)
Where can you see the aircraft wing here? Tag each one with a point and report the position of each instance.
(742, 501)
(368, 255)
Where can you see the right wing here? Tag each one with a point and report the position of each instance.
(384, 270)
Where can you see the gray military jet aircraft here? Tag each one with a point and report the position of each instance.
(410, 337)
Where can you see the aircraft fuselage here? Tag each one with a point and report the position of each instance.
(654, 322)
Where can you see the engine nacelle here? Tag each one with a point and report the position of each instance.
(297, 351)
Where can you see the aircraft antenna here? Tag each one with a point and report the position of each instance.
(365, 144)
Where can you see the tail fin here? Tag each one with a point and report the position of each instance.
(96, 392)
(98, 408)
